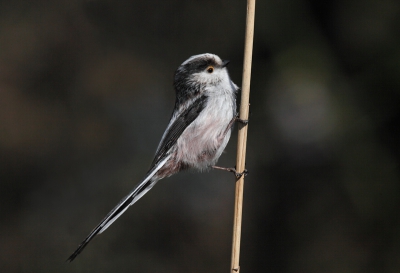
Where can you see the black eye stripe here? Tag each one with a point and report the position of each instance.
(200, 64)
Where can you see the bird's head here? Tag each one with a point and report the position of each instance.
(199, 74)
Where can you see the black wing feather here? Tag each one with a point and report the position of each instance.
(177, 128)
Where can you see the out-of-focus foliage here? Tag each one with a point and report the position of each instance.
(86, 92)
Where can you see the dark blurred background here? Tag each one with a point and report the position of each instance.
(86, 93)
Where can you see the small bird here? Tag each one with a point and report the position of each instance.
(197, 134)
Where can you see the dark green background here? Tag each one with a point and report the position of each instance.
(86, 93)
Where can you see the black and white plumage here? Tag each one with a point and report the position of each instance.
(197, 134)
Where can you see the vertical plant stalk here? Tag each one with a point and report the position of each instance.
(242, 135)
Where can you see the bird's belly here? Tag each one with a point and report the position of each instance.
(203, 142)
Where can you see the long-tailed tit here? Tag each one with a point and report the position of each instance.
(199, 129)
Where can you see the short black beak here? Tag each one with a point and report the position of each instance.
(225, 63)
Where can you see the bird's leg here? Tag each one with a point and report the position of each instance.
(232, 170)
(235, 119)
(242, 121)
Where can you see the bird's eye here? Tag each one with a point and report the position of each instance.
(210, 69)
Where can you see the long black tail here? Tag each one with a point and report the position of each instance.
(108, 220)
(140, 189)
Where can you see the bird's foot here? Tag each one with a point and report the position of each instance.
(242, 121)
(232, 170)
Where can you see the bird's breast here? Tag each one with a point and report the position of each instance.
(203, 141)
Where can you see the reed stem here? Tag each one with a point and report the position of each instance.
(242, 135)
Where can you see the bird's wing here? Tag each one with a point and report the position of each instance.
(176, 128)
(162, 155)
